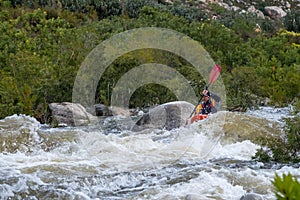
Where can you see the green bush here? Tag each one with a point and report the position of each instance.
(242, 86)
(292, 20)
(133, 7)
(189, 13)
(107, 8)
(287, 187)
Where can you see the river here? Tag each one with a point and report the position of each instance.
(200, 161)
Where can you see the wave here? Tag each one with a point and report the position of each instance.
(19, 133)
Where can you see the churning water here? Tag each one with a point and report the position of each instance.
(200, 161)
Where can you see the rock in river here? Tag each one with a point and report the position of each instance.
(70, 114)
(166, 116)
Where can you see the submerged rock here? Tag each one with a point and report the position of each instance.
(238, 127)
(251, 196)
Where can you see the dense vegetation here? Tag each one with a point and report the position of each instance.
(43, 44)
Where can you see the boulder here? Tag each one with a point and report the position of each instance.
(101, 110)
(70, 114)
(260, 14)
(251, 9)
(287, 5)
(166, 116)
(119, 111)
(98, 110)
(275, 12)
(235, 8)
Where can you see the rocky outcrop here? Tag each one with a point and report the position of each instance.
(275, 12)
(166, 116)
(274, 9)
(70, 114)
(258, 13)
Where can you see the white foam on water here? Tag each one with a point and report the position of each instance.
(288, 170)
(240, 150)
(253, 181)
(222, 183)
(271, 113)
(206, 186)
(93, 164)
(142, 150)
(20, 120)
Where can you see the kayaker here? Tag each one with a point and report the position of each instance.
(210, 103)
(206, 106)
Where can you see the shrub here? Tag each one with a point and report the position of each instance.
(287, 187)
(133, 7)
(189, 13)
(292, 21)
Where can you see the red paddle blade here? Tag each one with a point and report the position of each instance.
(214, 74)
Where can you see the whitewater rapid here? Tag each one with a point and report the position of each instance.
(201, 161)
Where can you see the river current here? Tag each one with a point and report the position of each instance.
(201, 161)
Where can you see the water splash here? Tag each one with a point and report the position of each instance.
(202, 161)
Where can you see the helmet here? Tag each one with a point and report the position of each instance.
(207, 94)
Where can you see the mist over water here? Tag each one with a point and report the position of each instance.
(201, 161)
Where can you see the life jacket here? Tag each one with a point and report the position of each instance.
(198, 109)
(214, 106)
(206, 107)
(212, 102)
